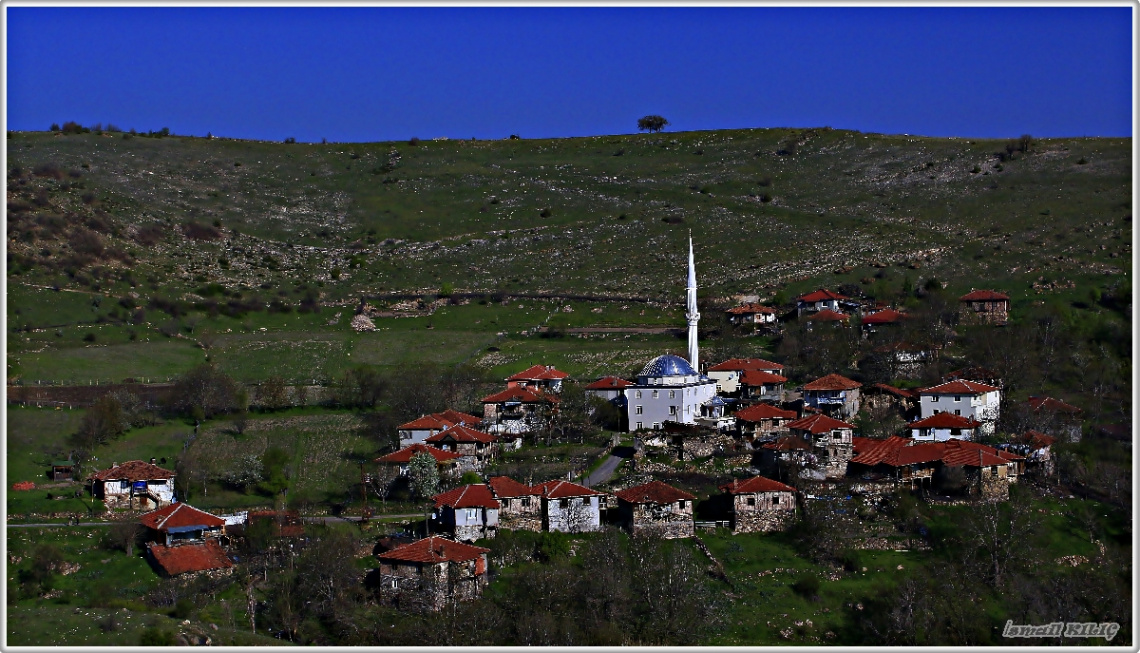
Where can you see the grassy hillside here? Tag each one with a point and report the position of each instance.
(108, 233)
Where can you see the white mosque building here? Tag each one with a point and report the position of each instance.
(669, 387)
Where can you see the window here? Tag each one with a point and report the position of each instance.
(395, 584)
(775, 499)
(957, 412)
(955, 431)
(672, 410)
(656, 394)
(934, 399)
(506, 503)
(751, 501)
(640, 425)
(585, 501)
(526, 502)
(563, 503)
(637, 394)
(637, 410)
(472, 514)
(657, 425)
(672, 394)
(957, 399)
(681, 504)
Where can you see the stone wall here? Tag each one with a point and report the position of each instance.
(762, 521)
(666, 521)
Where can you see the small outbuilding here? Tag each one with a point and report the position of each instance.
(760, 505)
(656, 508)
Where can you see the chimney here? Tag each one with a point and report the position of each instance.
(114, 465)
(152, 460)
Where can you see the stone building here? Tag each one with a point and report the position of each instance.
(761, 386)
(467, 513)
(445, 460)
(943, 426)
(476, 447)
(763, 421)
(834, 395)
(830, 441)
(420, 429)
(727, 374)
(569, 507)
(520, 506)
(983, 307)
(656, 508)
(539, 377)
(760, 505)
(185, 540)
(966, 398)
(135, 485)
(433, 571)
(517, 410)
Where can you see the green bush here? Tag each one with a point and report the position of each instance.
(154, 636)
(806, 586)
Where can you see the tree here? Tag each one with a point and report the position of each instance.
(424, 475)
(125, 535)
(103, 421)
(208, 390)
(362, 387)
(273, 394)
(274, 471)
(381, 481)
(652, 123)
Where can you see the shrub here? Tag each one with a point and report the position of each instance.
(413, 141)
(48, 170)
(290, 140)
(198, 231)
(545, 213)
(154, 636)
(806, 586)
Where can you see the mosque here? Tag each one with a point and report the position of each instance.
(669, 388)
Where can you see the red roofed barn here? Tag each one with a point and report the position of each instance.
(984, 307)
(760, 505)
(656, 508)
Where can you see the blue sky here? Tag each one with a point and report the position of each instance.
(386, 73)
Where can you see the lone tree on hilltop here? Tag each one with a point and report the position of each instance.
(652, 124)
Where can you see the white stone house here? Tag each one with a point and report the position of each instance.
(971, 399)
(467, 513)
(134, 484)
(940, 427)
(569, 507)
(727, 374)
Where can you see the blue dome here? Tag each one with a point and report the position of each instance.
(668, 365)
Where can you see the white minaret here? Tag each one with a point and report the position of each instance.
(691, 314)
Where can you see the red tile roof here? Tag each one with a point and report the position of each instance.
(519, 394)
(788, 443)
(1035, 439)
(505, 486)
(468, 496)
(832, 382)
(950, 452)
(185, 558)
(868, 445)
(886, 316)
(821, 295)
(462, 434)
(755, 484)
(1052, 405)
(133, 470)
(609, 383)
(828, 315)
(757, 412)
(756, 377)
(404, 455)
(180, 515)
(749, 308)
(958, 388)
(816, 424)
(971, 457)
(945, 421)
(898, 392)
(983, 296)
(654, 492)
(538, 373)
(742, 364)
(427, 422)
(456, 417)
(562, 490)
(434, 549)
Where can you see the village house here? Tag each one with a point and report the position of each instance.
(760, 505)
(762, 386)
(668, 389)
(905, 359)
(517, 410)
(445, 460)
(467, 513)
(135, 485)
(543, 378)
(185, 540)
(785, 454)
(983, 307)
(978, 374)
(880, 397)
(1037, 447)
(986, 471)
(520, 506)
(727, 374)
(978, 401)
(873, 322)
(433, 571)
(821, 300)
(943, 426)
(420, 429)
(834, 395)
(476, 447)
(61, 470)
(753, 314)
(1057, 416)
(656, 508)
(611, 389)
(828, 316)
(763, 421)
(569, 507)
(830, 441)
